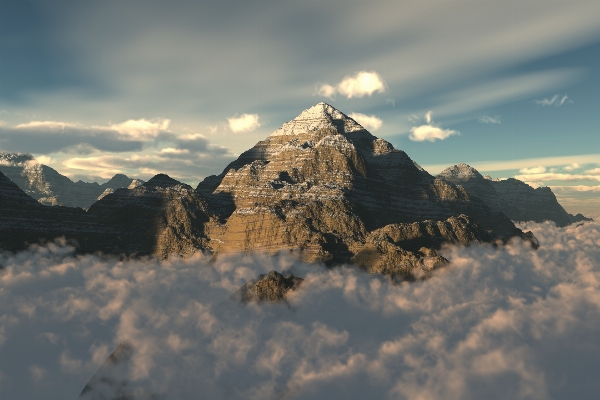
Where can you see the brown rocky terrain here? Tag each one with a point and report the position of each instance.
(272, 287)
(516, 199)
(324, 185)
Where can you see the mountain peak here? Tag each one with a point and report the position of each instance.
(16, 159)
(460, 172)
(321, 116)
(162, 180)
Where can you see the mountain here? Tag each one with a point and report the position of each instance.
(322, 184)
(160, 217)
(49, 187)
(516, 199)
(23, 220)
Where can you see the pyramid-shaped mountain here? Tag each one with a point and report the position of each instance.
(325, 185)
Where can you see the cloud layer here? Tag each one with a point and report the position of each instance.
(429, 131)
(498, 323)
(363, 83)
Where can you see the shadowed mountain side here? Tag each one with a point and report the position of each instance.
(24, 221)
(321, 183)
(272, 287)
(49, 187)
(516, 199)
(162, 217)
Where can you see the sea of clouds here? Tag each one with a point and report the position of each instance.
(498, 323)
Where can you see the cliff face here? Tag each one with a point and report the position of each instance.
(322, 182)
(516, 199)
(49, 187)
(162, 217)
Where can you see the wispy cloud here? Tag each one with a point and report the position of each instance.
(363, 83)
(486, 119)
(244, 123)
(370, 122)
(555, 100)
(429, 131)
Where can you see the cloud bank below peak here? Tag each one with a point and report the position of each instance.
(506, 320)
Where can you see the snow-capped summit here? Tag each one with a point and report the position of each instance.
(460, 172)
(16, 159)
(318, 117)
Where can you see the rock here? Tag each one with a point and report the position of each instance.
(272, 287)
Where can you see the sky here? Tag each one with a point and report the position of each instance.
(504, 322)
(96, 88)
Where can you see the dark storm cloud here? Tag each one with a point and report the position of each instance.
(498, 323)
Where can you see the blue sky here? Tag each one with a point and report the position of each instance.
(99, 87)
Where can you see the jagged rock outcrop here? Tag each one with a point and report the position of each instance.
(271, 287)
(321, 183)
(162, 217)
(516, 199)
(49, 187)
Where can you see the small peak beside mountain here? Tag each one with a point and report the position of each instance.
(163, 181)
(460, 172)
(272, 287)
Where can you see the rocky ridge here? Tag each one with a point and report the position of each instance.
(49, 187)
(516, 199)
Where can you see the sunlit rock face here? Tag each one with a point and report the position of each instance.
(516, 199)
(49, 187)
(321, 183)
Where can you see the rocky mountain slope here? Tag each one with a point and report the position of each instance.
(321, 186)
(516, 199)
(49, 187)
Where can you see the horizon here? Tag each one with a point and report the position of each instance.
(508, 89)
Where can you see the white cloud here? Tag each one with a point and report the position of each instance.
(369, 122)
(506, 319)
(327, 91)
(593, 171)
(572, 167)
(534, 170)
(140, 129)
(556, 100)
(363, 83)
(428, 116)
(430, 132)
(490, 120)
(244, 123)
(544, 177)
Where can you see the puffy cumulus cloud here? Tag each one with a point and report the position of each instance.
(486, 119)
(244, 123)
(429, 131)
(369, 122)
(555, 100)
(504, 322)
(363, 83)
(572, 167)
(53, 136)
(534, 170)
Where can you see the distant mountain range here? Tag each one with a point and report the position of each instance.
(321, 186)
(49, 187)
(516, 199)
